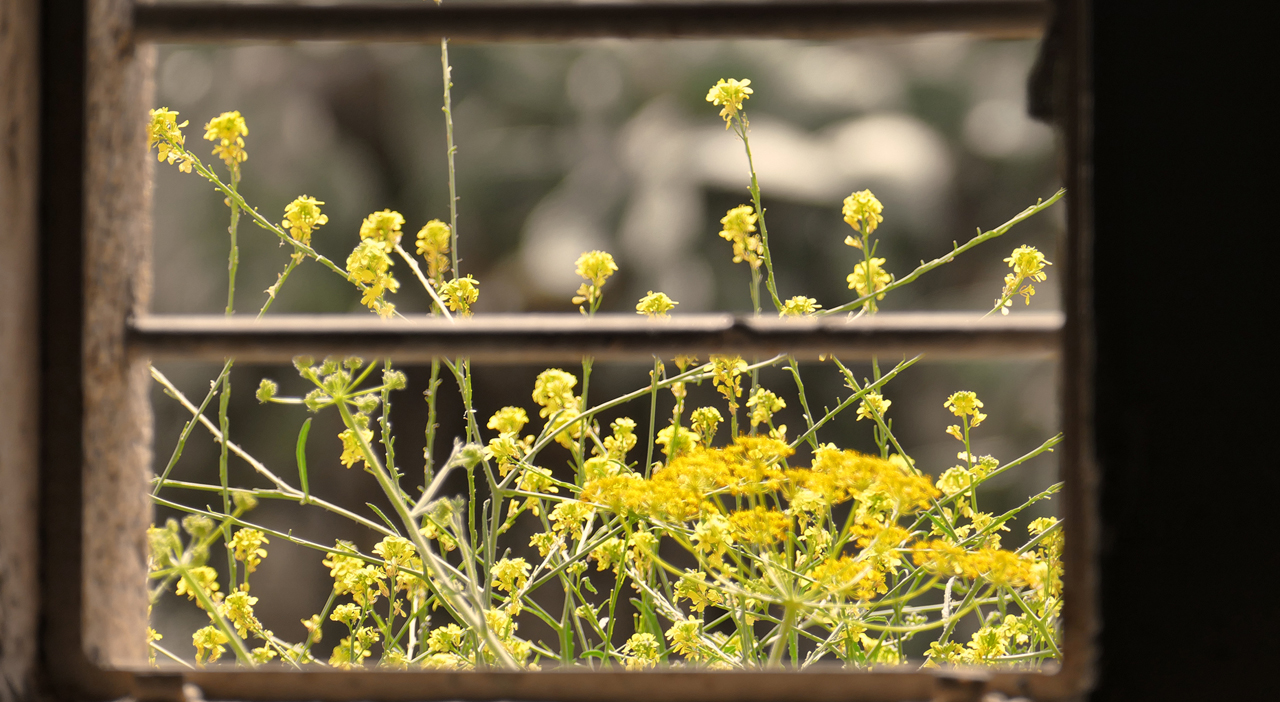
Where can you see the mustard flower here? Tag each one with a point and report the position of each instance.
(228, 130)
(764, 404)
(729, 94)
(1028, 264)
(247, 546)
(509, 419)
(164, 133)
(460, 294)
(623, 439)
(799, 306)
(705, 421)
(351, 448)
(209, 644)
(862, 212)
(434, 241)
(595, 267)
(302, 216)
(873, 404)
(676, 441)
(684, 637)
(966, 404)
(655, 305)
(738, 228)
(725, 372)
(642, 651)
(238, 608)
(871, 269)
(713, 535)
(553, 390)
(383, 228)
(369, 265)
(510, 574)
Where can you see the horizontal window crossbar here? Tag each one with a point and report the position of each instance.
(557, 338)
(425, 21)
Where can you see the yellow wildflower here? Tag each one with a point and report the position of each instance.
(460, 294)
(739, 225)
(642, 651)
(164, 133)
(434, 241)
(764, 404)
(595, 267)
(862, 212)
(228, 130)
(208, 642)
(966, 404)
(873, 404)
(799, 306)
(510, 574)
(383, 228)
(655, 305)
(869, 270)
(247, 545)
(302, 216)
(729, 94)
(1028, 264)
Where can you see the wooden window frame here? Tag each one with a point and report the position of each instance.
(98, 67)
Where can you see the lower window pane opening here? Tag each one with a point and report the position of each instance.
(714, 512)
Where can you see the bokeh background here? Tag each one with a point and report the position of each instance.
(611, 145)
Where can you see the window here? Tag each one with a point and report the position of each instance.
(114, 345)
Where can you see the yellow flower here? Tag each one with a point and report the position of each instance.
(510, 574)
(760, 526)
(208, 642)
(369, 265)
(966, 404)
(228, 130)
(351, 449)
(655, 305)
(764, 405)
(873, 404)
(623, 439)
(383, 228)
(729, 94)
(739, 225)
(642, 651)
(238, 608)
(1028, 264)
(460, 293)
(684, 637)
(434, 241)
(799, 306)
(595, 267)
(302, 216)
(165, 134)
(725, 372)
(862, 212)
(509, 419)
(878, 277)
(247, 545)
(705, 421)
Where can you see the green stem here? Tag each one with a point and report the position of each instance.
(755, 199)
(450, 152)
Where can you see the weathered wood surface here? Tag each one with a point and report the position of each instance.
(117, 426)
(19, 357)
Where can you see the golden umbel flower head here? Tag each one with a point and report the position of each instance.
(302, 216)
(228, 131)
(729, 94)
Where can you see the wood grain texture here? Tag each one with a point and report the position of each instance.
(117, 416)
(19, 355)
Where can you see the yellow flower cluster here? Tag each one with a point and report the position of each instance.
(164, 133)
(370, 265)
(351, 449)
(799, 306)
(382, 228)
(302, 216)
(739, 226)
(764, 404)
(228, 130)
(729, 94)
(1028, 264)
(966, 405)
(655, 305)
(726, 372)
(460, 294)
(862, 212)
(595, 267)
(247, 546)
(869, 276)
(873, 405)
(996, 566)
(434, 241)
